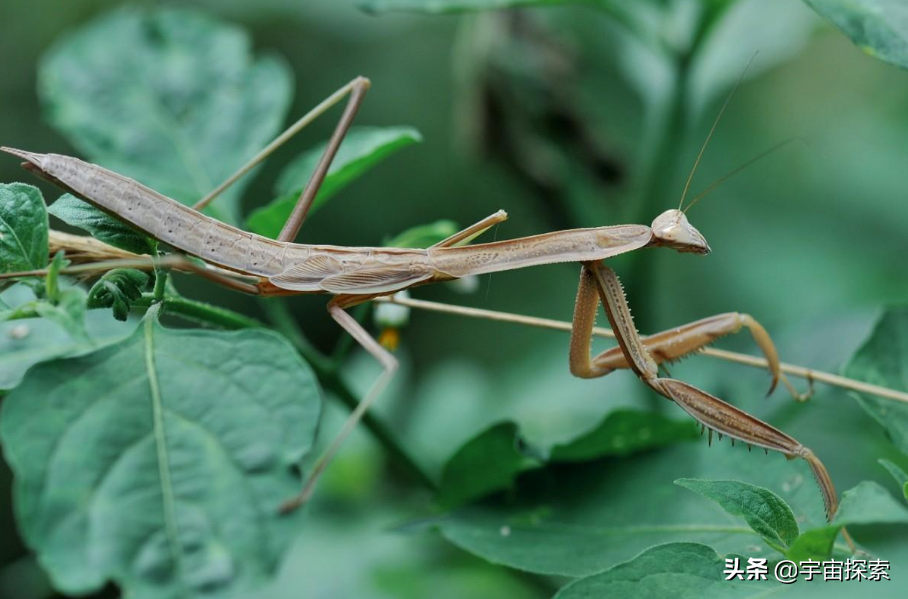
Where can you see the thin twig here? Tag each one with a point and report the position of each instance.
(559, 325)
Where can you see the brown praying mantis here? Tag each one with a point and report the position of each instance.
(261, 266)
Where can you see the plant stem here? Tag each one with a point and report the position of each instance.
(160, 279)
(201, 312)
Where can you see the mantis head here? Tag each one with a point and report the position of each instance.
(672, 229)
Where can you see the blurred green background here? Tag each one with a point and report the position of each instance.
(557, 117)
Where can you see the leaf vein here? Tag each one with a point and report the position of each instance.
(160, 436)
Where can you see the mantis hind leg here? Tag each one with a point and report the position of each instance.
(357, 90)
(337, 309)
(600, 283)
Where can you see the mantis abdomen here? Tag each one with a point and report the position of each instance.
(315, 268)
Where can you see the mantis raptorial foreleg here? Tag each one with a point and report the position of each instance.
(600, 283)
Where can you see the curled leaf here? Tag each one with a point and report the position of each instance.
(118, 289)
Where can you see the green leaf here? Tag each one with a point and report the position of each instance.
(362, 148)
(26, 343)
(867, 503)
(488, 462)
(579, 519)
(878, 27)
(881, 360)
(65, 307)
(165, 469)
(814, 544)
(269, 219)
(670, 571)
(118, 289)
(870, 503)
(101, 225)
(768, 32)
(422, 236)
(23, 228)
(766, 513)
(68, 311)
(52, 278)
(378, 564)
(624, 432)
(453, 6)
(169, 97)
(492, 460)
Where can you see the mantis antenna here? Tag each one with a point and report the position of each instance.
(712, 130)
(722, 180)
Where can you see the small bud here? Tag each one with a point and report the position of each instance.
(389, 315)
(466, 285)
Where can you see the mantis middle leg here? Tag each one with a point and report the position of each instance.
(600, 283)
